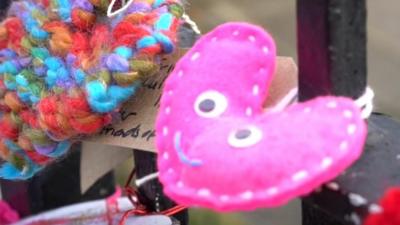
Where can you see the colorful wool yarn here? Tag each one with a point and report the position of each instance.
(65, 69)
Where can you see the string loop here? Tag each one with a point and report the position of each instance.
(365, 102)
(124, 6)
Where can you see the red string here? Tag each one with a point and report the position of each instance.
(112, 205)
(140, 209)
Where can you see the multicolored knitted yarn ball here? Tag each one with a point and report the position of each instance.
(66, 68)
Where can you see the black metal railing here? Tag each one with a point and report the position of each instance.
(332, 50)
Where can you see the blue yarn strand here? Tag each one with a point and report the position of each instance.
(165, 22)
(165, 42)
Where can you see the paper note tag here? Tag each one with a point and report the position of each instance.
(137, 116)
(285, 79)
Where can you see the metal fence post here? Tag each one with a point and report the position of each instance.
(332, 47)
(332, 61)
(151, 193)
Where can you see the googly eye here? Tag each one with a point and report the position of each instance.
(246, 137)
(210, 104)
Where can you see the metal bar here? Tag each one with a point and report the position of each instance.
(332, 47)
(332, 56)
(151, 193)
(315, 216)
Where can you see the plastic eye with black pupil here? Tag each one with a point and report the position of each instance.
(210, 104)
(207, 105)
(246, 137)
(243, 134)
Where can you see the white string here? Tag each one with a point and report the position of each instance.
(365, 102)
(289, 98)
(192, 24)
(125, 5)
(143, 180)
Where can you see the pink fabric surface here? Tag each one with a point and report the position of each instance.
(7, 214)
(232, 154)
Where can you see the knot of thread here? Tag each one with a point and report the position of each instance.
(66, 68)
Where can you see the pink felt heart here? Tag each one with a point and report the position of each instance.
(218, 147)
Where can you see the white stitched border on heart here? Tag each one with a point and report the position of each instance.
(298, 176)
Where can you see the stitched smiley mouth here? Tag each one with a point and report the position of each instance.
(241, 138)
(182, 155)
